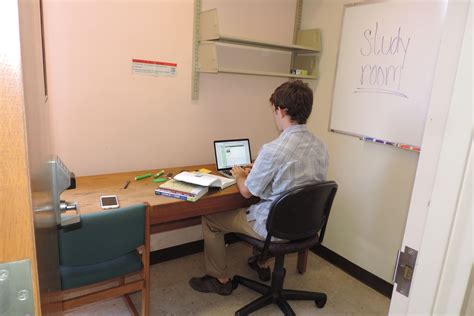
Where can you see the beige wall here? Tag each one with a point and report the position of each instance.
(375, 181)
(106, 119)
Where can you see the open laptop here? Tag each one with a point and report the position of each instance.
(231, 152)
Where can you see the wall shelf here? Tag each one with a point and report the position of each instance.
(209, 57)
(250, 42)
(257, 73)
(307, 41)
(209, 63)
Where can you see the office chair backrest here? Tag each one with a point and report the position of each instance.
(301, 212)
(102, 236)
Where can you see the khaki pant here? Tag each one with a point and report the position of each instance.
(214, 227)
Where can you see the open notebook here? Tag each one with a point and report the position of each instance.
(206, 180)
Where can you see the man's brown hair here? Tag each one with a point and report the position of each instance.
(296, 98)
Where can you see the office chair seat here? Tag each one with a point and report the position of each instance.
(76, 276)
(300, 216)
(279, 248)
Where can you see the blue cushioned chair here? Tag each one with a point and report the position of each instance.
(105, 248)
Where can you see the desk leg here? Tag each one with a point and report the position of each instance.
(302, 261)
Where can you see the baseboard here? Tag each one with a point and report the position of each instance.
(380, 285)
(369, 279)
(183, 250)
(175, 252)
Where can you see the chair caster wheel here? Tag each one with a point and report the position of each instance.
(321, 302)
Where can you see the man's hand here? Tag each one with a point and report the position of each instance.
(247, 168)
(240, 174)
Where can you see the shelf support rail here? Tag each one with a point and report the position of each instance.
(195, 73)
(297, 28)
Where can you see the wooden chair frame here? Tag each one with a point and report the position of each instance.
(118, 286)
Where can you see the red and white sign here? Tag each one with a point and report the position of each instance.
(153, 68)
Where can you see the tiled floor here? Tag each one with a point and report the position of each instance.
(171, 294)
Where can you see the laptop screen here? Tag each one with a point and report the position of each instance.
(234, 152)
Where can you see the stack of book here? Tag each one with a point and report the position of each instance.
(182, 190)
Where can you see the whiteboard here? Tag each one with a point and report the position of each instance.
(385, 69)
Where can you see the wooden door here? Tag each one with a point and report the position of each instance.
(28, 226)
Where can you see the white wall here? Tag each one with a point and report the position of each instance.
(375, 181)
(106, 119)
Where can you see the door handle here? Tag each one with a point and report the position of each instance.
(66, 209)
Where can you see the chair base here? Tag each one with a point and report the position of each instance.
(116, 287)
(271, 294)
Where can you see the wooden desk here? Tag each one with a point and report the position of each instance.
(166, 213)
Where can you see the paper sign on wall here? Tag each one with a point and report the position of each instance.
(153, 68)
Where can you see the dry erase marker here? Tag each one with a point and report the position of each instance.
(403, 146)
(384, 142)
(143, 176)
(408, 147)
(379, 141)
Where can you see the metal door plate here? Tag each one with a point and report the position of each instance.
(405, 267)
(16, 291)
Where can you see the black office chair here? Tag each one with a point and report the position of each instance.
(298, 215)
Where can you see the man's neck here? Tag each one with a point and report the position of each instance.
(287, 124)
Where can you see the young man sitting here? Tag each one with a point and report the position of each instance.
(293, 159)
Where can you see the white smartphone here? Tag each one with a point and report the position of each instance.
(109, 201)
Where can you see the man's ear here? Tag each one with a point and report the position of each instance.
(282, 113)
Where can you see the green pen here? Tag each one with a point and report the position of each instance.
(159, 173)
(143, 176)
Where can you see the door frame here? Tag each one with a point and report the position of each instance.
(440, 176)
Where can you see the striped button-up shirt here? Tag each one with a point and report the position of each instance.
(295, 158)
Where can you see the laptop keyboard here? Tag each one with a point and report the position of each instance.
(227, 172)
